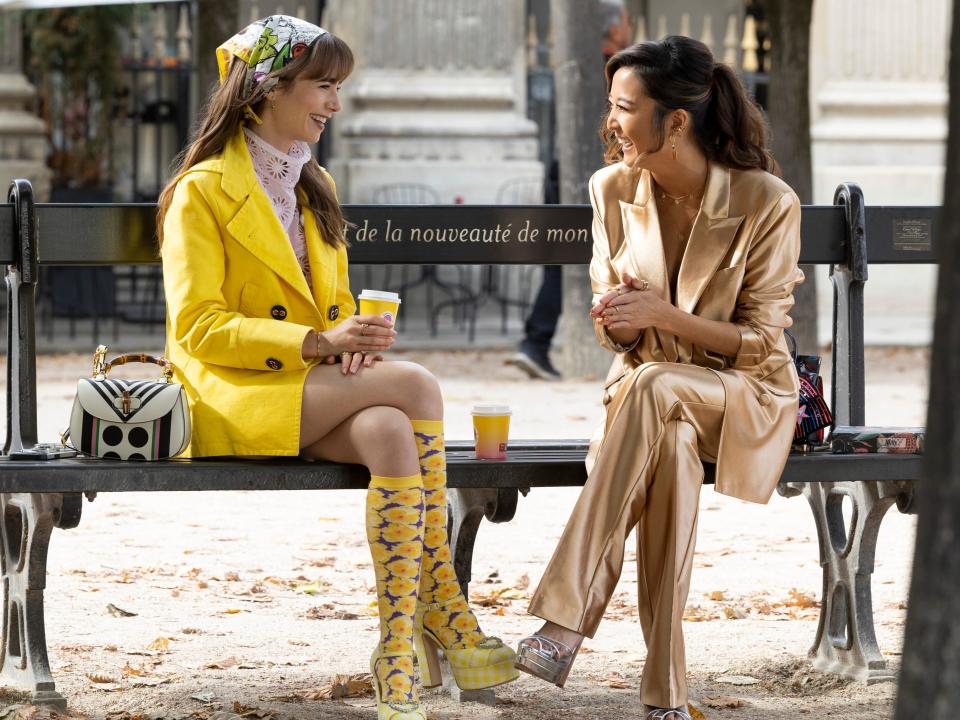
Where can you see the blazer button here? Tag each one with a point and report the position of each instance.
(333, 313)
(763, 399)
(278, 312)
(274, 364)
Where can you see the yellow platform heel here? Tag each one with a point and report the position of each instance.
(486, 664)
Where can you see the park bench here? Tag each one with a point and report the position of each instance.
(37, 496)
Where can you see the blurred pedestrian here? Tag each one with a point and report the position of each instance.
(533, 355)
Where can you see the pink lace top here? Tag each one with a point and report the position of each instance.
(279, 174)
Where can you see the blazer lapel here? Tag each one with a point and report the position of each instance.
(255, 225)
(323, 265)
(712, 234)
(641, 224)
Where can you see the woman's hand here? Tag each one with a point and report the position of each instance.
(352, 362)
(631, 306)
(357, 334)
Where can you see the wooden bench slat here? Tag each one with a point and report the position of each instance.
(540, 467)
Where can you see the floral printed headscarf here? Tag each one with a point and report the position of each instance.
(266, 46)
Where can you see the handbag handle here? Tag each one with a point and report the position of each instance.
(101, 367)
(792, 342)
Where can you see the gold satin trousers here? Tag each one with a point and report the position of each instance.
(662, 420)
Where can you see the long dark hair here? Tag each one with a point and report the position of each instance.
(329, 57)
(679, 73)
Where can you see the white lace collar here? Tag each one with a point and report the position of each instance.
(278, 173)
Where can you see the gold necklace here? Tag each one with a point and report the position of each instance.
(677, 199)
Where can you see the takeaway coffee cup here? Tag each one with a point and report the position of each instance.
(491, 427)
(380, 302)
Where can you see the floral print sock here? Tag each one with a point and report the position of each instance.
(449, 617)
(395, 524)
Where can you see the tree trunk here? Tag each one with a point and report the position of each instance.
(580, 91)
(789, 113)
(930, 674)
(217, 20)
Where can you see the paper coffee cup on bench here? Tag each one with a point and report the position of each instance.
(380, 302)
(491, 428)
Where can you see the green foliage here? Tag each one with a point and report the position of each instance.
(73, 56)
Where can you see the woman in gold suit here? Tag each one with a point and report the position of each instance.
(695, 253)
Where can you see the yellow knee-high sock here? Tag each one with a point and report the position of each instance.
(395, 526)
(449, 616)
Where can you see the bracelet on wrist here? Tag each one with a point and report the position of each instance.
(623, 348)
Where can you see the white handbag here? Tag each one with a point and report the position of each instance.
(129, 419)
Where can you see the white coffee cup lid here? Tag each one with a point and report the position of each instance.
(491, 409)
(379, 295)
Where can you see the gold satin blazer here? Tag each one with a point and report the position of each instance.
(739, 266)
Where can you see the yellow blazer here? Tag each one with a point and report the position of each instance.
(740, 266)
(239, 308)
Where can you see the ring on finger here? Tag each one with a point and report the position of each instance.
(363, 328)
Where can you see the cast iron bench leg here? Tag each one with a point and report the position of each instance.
(466, 508)
(28, 521)
(846, 643)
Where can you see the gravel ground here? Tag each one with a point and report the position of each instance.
(254, 602)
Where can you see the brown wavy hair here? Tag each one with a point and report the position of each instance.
(680, 73)
(329, 58)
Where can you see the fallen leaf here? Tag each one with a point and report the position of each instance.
(133, 670)
(119, 612)
(317, 587)
(151, 682)
(342, 686)
(722, 702)
(717, 595)
(232, 661)
(695, 712)
(232, 576)
(323, 562)
(328, 612)
(161, 643)
(191, 631)
(737, 680)
(246, 711)
(615, 681)
(232, 611)
(299, 643)
(523, 582)
(100, 679)
(800, 599)
(104, 683)
(733, 613)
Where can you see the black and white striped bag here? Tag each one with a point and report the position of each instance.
(129, 419)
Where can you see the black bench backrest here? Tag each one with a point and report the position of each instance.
(33, 235)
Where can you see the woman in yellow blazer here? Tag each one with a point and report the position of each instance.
(262, 333)
(695, 256)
